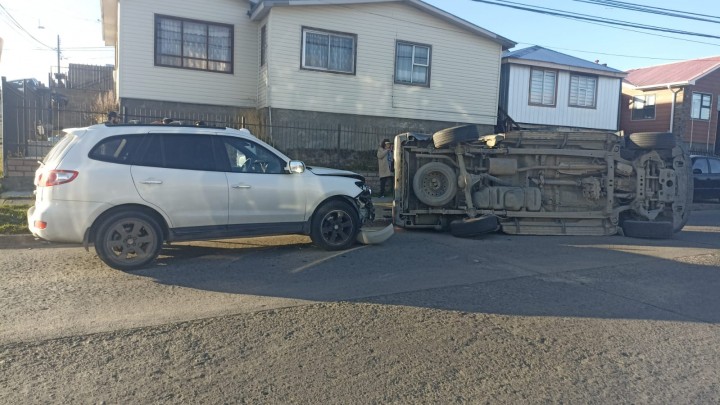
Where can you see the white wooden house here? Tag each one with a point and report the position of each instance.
(545, 88)
(351, 62)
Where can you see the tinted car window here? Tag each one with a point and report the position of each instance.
(701, 165)
(244, 156)
(177, 151)
(59, 148)
(714, 166)
(116, 149)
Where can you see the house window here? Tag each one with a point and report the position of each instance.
(329, 51)
(263, 45)
(701, 104)
(412, 64)
(583, 91)
(543, 87)
(193, 44)
(643, 107)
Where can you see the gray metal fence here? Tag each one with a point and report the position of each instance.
(31, 129)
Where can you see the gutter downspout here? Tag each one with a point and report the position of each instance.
(672, 107)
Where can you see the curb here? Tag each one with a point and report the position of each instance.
(385, 211)
(19, 241)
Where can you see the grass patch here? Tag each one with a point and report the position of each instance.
(13, 219)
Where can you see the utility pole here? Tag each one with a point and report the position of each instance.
(58, 57)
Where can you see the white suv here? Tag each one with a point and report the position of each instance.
(129, 188)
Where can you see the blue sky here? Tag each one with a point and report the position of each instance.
(78, 24)
(620, 48)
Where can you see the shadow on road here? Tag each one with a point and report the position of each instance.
(598, 277)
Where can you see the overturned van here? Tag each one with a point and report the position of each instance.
(542, 183)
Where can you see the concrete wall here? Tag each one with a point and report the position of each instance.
(19, 174)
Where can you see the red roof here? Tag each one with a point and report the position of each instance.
(680, 72)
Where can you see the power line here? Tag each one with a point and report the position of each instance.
(654, 10)
(590, 18)
(19, 26)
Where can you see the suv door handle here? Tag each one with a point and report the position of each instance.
(241, 186)
(151, 182)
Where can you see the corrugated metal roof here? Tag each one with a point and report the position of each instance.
(540, 54)
(673, 73)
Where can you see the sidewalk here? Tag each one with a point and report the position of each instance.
(17, 198)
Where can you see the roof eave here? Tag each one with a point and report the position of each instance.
(109, 18)
(661, 85)
(261, 10)
(550, 65)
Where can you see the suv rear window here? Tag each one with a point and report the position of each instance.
(116, 149)
(59, 148)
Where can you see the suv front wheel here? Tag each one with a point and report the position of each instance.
(334, 226)
(128, 240)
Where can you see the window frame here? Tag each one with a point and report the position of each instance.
(645, 100)
(701, 108)
(182, 57)
(530, 80)
(595, 90)
(303, 34)
(263, 45)
(428, 66)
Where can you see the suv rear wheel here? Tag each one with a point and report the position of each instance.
(128, 240)
(334, 226)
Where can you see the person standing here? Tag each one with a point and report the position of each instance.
(386, 165)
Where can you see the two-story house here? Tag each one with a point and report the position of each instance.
(679, 97)
(402, 63)
(544, 88)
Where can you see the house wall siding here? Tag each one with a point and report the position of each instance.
(663, 107)
(139, 78)
(699, 135)
(702, 134)
(604, 116)
(464, 77)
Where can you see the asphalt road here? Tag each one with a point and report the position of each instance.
(423, 318)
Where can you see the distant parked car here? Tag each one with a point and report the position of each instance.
(129, 188)
(706, 176)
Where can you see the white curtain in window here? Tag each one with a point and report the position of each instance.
(542, 87)
(582, 91)
(341, 54)
(219, 48)
(404, 63)
(316, 50)
(169, 42)
(421, 58)
(195, 45)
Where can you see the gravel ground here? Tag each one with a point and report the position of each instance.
(564, 320)
(345, 353)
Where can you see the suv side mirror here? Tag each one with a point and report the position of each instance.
(296, 166)
(697, 171)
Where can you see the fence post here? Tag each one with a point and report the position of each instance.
(337, 150)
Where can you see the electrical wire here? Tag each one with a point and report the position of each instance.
(22, 29)
(589, 18)
(653, 10)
